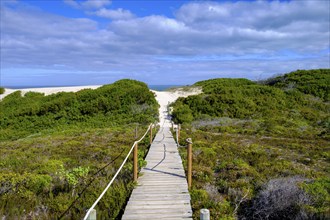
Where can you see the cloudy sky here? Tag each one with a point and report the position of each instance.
(85, 42)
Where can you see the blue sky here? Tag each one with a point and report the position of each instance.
(85, 42)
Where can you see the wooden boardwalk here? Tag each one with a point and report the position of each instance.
(162, 191)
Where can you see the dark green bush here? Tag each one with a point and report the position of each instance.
(274, 108)
(53, 146)
(259, 150)
(125, 101)
(314, 82)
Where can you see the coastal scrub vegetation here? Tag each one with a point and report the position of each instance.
(125, 101)
(314, 82)
(58, 152)
(2, 90)
(260, 149)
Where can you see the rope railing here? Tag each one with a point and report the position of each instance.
(118, 171)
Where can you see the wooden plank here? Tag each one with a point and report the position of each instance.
(159, 197)
(158, 190)
(154, 186)
(162, 190)
(162, 202)
(144, 192)
(165, 172)
(160, 206)
(160, 175)
(155, 216)
(182, 211)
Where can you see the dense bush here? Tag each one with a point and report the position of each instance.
(214, 85)
(265, 109)
(231, 171)
(125, 101)
(259, 150)
(53, 147)
(41, 176)
(2, 90)
(314, 82)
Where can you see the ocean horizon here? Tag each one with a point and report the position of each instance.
(162, 87)
(153, 87)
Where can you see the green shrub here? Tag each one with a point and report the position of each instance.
(260, 150)
(319, 190)
(314, 82)
(53, 146)
(48, 172)
(273, 109)
(183, 114)
(125, 101)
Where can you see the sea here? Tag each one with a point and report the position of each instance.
(153, 87)
(163, 87)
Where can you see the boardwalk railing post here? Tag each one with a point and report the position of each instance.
(176, 136)
(92, 215)
(189, 159)
(205, 214)
(179, 127)
(151, 126)
(135, 162)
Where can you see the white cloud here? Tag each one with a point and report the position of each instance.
(203, 40)
(96, 3)
(88, 4)
(196, 12)
(72, 3)
(118, 14)
(98, 8)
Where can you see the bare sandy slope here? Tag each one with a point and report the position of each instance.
(48, 90)
(164, 98)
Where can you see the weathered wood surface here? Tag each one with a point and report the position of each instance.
(162, 190)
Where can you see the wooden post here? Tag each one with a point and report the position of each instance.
(189, 159)
(92, 215)
(179, 127)
(151, 133)
(172, 125)
(135, 162)
(204, 214)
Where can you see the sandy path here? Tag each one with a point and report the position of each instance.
(164, 98)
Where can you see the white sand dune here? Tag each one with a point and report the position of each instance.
(49, 90)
